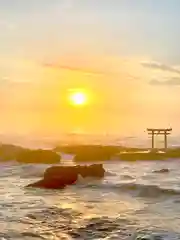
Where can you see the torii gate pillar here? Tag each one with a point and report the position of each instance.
(159, 131)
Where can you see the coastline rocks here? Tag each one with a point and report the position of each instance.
(9, 152)
(38, 156)
(58, 177)
(91, 156)
(83, 149)
(89, 153)
(173, 153)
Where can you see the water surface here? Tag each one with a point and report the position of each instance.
(131, 201)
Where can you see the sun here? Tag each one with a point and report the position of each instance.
(78, 98)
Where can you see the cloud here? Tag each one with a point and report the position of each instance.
(160, 66)
(170, 82)
(84, 70)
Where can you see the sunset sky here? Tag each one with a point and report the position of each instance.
(123, 53)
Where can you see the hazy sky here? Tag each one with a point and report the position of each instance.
(124, 53)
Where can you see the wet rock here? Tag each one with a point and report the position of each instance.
(48, 184)
(58, 172)
(95, 170)
(58, 177)
(164, 170)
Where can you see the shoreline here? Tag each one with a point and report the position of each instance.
(87, 153)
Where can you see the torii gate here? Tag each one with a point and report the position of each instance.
(159, 131)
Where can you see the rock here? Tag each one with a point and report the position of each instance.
(38, 156)
(163, 170)
(59, 171)
(58, 177)
(173, 153)
(94, 170)
(93, 156)
(49, 184)
(84, 149)
(62, 175)
(90, 153)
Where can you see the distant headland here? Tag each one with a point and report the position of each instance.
(92, 152)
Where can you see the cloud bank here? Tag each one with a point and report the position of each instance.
(160, 66)
(169, 82)
(75, 68)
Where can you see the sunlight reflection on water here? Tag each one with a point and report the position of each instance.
(90, 206)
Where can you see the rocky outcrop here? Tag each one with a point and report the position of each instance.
(95, 153)
(94, 170)
(173, 153)
(150, 155)
(88, 153)
(38, 156)
(58, 177)
(9, 152)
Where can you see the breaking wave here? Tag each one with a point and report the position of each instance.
(22, 170)
(140, 190)
(131, 187)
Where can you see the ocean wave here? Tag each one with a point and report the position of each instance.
(127, 177)
(140, 190)
(75, 225)
(22, 170)
(30, 170)
(70, 224)
(108, 173)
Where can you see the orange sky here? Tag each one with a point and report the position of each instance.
(124, 55)
(121, 98)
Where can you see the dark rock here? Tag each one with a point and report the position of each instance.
(58, 177)
(38, 156)
(88, 153)
(49, 184)
(83, 149)
(173, 153)
(62, 175)
(98, 155)
(164, 170)
(94, 170)
(57, 172)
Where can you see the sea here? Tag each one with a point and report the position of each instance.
(135, 201)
